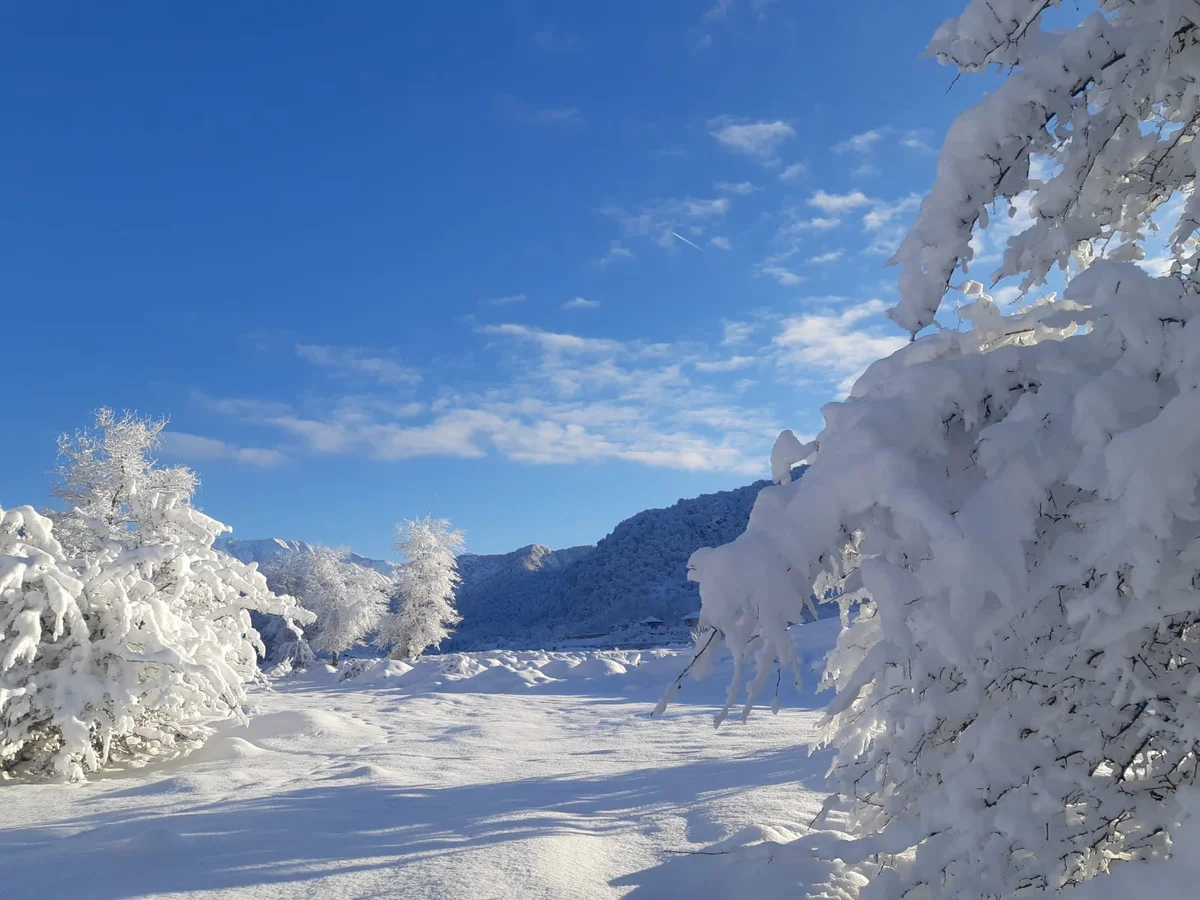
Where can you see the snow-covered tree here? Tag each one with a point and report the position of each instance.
(286, 649)
(425, 585)
(1014, 505)
(349, 600)
(102, 469)
(122, 643)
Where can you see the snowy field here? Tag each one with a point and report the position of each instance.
(490, 775)
(471, 776)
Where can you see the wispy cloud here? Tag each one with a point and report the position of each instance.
(552, 341)
(739, 188)
(616, 252)
(915, 140)
(883, 212)
(881, 222)
(839, 203)
(186, 446)
(734, 333)
(507, 300)
(515, 110)
(720, 242)
(356, 361)
(718, 12)
(816, 223)
(831, 256)
(783, 276)
(581, 303)
(866, 170)
(665, 221)
(730, 364)
(859, 143)
(758, 140)
(794, 172)
(840, 343)
(552, 38)
(570, 399)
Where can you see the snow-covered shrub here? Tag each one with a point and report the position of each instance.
(124, 642)
(128, 656)
(425, 585)
(1014, 506)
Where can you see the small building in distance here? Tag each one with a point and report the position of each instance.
(691, 620)
(651, 622)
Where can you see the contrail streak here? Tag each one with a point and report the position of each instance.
(686, 241)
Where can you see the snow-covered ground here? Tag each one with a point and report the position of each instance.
(502, 774)
(475, 776)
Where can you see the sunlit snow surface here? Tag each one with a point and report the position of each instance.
(489, 775)
(472, 776)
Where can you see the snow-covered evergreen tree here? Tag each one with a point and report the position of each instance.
(1015, 505)
(425, 585)
(349, 600)
(125, 644)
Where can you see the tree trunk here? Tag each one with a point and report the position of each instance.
(335, 658)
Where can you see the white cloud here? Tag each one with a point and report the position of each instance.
(839, 203)
(817, 223)
(665, 221)
(355, 361)
(514, 110)
(881, 222)
(720, 242)
(883, 213)
(859, 143)
(913, 140)
(193, 446)
(740, 188)
(794, 172)
(581, 303)
(616, 252)
(736, 332)
(706, 209)
(568, 115)
(570, 400)
(760, 140)
(718, 11)
(505, 301)
(551, 37)
(837, 343)
(724, 365)
(831, 256)
(866, 170)
(783, 276)
(553, 341)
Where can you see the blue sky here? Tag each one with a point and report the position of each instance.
(533, 266)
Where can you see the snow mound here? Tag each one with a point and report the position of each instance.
(570, 671)
(318, 727)
(368, 671)
(227, 746)
(598, 666)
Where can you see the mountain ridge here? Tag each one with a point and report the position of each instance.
(535, 594)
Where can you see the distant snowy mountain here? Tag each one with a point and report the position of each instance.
(266, 551)
(537, 595)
